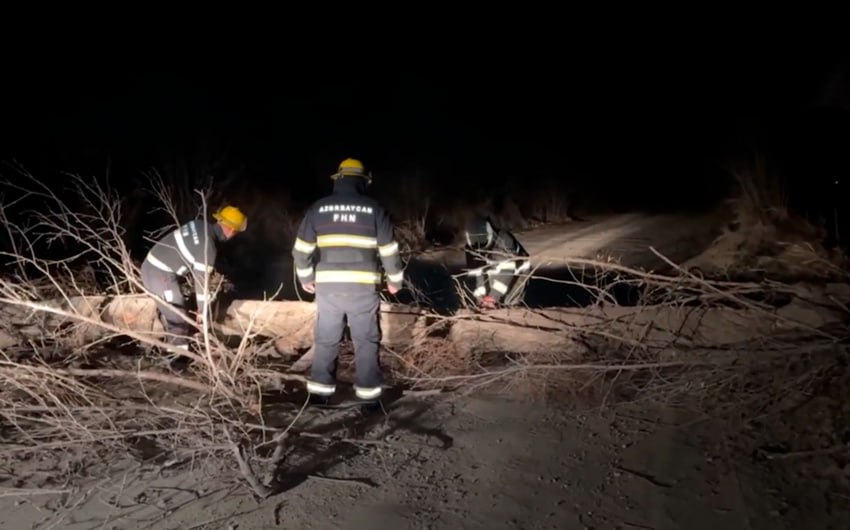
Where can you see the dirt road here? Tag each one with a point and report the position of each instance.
(443, 464)
(624, 238)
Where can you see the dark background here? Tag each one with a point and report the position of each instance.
(624, 108)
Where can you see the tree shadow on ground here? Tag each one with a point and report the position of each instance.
(326, 437)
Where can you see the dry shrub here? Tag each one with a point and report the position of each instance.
(63, 382)
(550, 202)
(501, 208)
(762, 194)
(759, 250)
(411, 235)
(766, 239)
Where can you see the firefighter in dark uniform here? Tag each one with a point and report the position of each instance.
(343, 241)
(189, 250)
(495, 259)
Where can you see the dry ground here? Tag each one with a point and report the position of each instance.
(483, 461)
(449, 462)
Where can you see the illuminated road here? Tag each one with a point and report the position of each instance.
(626, 238)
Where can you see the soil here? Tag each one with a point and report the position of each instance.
(462, 461)
(447, 461)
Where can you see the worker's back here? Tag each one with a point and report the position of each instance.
(349, 231)
(188, 248)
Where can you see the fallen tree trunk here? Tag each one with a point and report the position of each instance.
(291, 324)
(576, 329)
(77, 320)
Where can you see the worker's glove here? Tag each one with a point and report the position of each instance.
(488, 302)
(218, 283)
(199, 318)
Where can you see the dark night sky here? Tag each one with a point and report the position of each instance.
(636, 100)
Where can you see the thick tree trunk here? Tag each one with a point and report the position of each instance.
(291, 324)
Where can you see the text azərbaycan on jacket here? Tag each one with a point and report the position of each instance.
(343, 241)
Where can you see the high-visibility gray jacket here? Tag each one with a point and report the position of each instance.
(495, 266)
(191, 249)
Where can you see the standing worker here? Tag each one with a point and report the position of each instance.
(190, 249)
(495, 259)
(353, 233)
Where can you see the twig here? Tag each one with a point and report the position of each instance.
(421, 393)
(353, 441)
(346, 481)
(280, 446)
(100, 372)
(281, 376)
(16, 492)
(90, 440)
(801, 454)
(358, 441)
(218, 519)
(247, 473)
(739, 300)
(647, 477)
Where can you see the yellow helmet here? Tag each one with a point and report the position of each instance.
(232, 217)
(352, 167)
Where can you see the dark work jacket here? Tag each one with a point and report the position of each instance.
(344, 240)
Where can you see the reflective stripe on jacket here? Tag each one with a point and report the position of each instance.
(191, 249)
(345, 239)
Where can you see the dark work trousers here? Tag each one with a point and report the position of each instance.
(360, 309)
(166, 286)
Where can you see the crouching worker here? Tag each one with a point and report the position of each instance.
(189, 250)
(495, 261)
